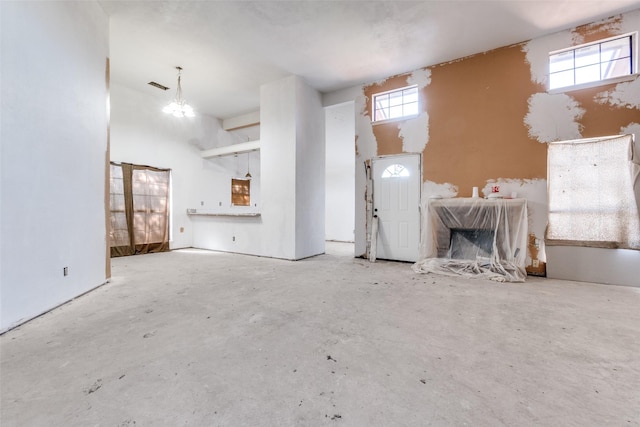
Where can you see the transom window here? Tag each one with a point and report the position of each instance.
(593, 62)
(396, 104)
(395, 171)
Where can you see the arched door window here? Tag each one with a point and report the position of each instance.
(395, 171)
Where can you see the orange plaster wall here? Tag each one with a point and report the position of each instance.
(476, 130)
(602, 119)
(599, 30)
(476, 107)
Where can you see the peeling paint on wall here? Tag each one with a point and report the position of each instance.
(630, 22)
(366, 145)
(553, 117)
(624, 95)
(431, 189)
(537, 50)
(537, 53)
(601, 29)
(366, 148)
(414, 133)
(421, 77)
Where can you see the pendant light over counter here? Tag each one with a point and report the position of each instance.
(248, 175)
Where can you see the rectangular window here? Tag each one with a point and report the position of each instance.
(593, 62)
(592, 199)
(396, 104)
(241, 192)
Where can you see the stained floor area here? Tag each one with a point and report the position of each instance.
(200, 338)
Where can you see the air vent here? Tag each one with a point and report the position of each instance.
(158, 85)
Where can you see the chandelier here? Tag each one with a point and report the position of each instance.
(178, 107)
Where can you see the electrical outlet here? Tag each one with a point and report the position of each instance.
(535, 263)
(65, 271)
(201, 203)
(234, 238)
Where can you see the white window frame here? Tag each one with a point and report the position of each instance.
(632, 75)
(374, 100)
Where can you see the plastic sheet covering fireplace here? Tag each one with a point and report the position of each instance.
(475, 238)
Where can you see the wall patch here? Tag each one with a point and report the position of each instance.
(366, 145)
(624, 95)
(421, 78)
(414, 133)
(553, 117)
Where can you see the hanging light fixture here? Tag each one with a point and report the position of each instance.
(179, 107)
(248, 175)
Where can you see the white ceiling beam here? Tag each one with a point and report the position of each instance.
(230, 150)
(243, 121)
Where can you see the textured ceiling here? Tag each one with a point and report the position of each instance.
(229, 48)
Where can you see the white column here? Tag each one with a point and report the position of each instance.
(292, 165)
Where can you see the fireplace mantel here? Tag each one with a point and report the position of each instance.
(463, 212)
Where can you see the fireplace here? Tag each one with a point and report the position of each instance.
(483, 237)
(471, 243)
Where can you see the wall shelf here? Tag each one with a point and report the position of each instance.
(229, 214)
(231, 150)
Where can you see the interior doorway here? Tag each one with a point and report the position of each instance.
(396, 203)
(340, 172)
(139, 209)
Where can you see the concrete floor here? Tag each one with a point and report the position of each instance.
(199, 338)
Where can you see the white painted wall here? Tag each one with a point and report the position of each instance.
(340, 172)
(291, 225)
(142, 134)
(365, 148)
(278, 139)
(53, 153)
(610, 266)
(310, 171)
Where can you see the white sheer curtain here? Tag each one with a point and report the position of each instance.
(150, 191)
(593, 193)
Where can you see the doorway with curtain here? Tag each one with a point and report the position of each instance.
(139, 209)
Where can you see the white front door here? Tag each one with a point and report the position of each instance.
(396, 202)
